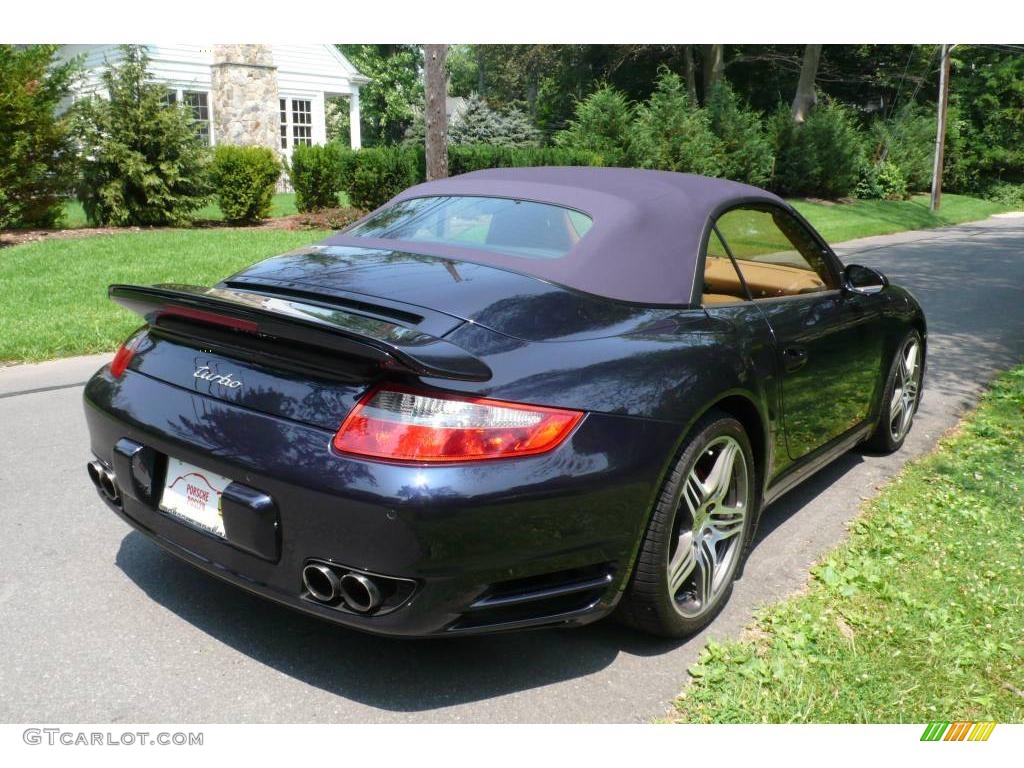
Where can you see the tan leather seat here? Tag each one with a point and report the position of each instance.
(763, 279)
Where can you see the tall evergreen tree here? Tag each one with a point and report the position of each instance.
(672, 134)
(603, 124)
(746, 149)
(142, 161)
(36, 157)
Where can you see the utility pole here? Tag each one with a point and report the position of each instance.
(940, 131)
(437, 117)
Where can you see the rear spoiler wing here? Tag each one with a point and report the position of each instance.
(392, 346)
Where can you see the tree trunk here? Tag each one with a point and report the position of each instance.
(691, 74)
(714, 67)
(437, 119)
(806, 97)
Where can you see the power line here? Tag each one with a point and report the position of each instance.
(913, 96)
(899, 88)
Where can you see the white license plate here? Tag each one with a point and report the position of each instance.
(193, 495)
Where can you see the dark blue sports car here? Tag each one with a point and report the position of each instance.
(513, 398)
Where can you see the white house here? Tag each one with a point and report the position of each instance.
(265, 95)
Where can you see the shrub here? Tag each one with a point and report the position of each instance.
(316, 175)
(882, 181)
(907, 140)
(479, 124)
(961, 173)
(36, 157)
(376, 174)
(822, 157)
(347, 165)
(463, 159)
(142, 160)
(373, 175)
(746, 151)
(1006, 193)
(602, 125)
(244, 179)
(673, 135)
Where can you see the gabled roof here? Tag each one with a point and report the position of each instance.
(353, 74)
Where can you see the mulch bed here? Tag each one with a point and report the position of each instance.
(19, 236)
(330, 218)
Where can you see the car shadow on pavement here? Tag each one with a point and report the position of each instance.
(394, 674)
(398, 674)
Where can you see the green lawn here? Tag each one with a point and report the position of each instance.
(919, 617)
(53, 297)
(846, 221)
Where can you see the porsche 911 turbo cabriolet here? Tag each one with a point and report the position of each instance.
(513, 398)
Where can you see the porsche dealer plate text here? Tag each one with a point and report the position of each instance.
(193, 495)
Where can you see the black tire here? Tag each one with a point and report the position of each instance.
(882, 439)
(647, 603)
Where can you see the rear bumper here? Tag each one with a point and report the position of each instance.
(492, 546)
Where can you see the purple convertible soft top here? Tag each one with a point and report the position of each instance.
(643, 247)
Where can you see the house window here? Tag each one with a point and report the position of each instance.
(302, 122)
(296, 122)
(198, 101)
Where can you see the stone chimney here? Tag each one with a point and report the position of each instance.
(245, 101)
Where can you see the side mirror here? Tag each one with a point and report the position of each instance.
(864, 281)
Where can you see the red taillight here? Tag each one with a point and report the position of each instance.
(404, 425)
(124, 355)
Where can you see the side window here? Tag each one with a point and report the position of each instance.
(722, 283)
(776, 255)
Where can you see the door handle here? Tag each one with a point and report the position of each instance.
(794, 358)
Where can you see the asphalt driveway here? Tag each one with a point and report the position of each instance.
(100, 625)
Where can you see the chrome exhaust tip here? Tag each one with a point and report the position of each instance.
(359, 592)
(321, 582)
(95, 469)
(104, 481)
(109, 487)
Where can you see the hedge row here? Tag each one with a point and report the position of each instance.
(463, 159)
(834, 153)
(372, 176)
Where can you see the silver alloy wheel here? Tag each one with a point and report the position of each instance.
(905, 390)
(710, 517)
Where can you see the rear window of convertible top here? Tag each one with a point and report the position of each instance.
(502, 225)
